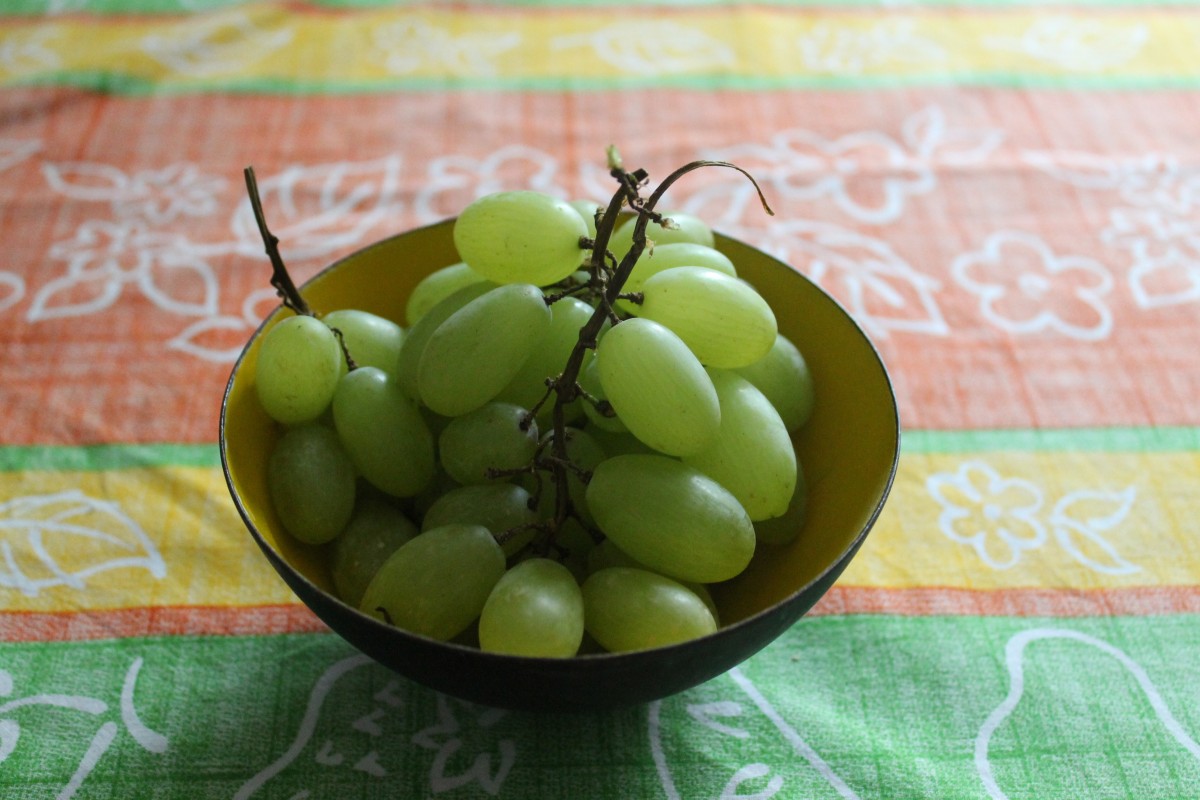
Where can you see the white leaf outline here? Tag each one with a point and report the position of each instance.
(14, 151)
(109, 184)
(483, 175)
(1065, 526)
(409, 44)
(14, 518)
(196, 47)
(186, 340)
(842, 50)
(637, 47)
(480, 771)
(16, 292)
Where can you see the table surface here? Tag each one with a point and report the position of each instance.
(1005, 196)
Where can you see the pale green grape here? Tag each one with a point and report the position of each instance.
(520, 237)
(785, 529)
(606, 554)
(751, 455)
(478, 349)
(589, 381)
(671, 517)
(375, 531)
(667, 256)
(299, 366)
(436, 287)
(535, 610)
(311, 483)
(634, 609)
(487, 438)
(658, 387)
(371, 340)
(723, 320)
(498, 507)
(587, 209)
(384, 432)
(436, 584)
(585, 453)
(417, 337)
(549, 356)
(783, 376)
(690, 229)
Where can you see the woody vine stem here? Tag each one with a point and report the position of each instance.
(607, 277)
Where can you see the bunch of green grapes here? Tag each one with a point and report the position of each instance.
(537, 460)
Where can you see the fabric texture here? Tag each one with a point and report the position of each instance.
(1006, 197)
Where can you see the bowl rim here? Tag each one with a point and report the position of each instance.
(837, 564)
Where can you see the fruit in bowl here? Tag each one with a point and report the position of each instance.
(493, 468)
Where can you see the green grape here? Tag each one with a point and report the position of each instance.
(487, 438)
(311, 483)
(520, 237)
(299, 366)
(607, 554)
(371, 340)
(724, 321)
(479, 348)
(436, 584)
(671, 517)
(751, 455)
(667, 256)
(658, 387)
(417, 337)
(375, 531)
(587, 209)
(634, 609)
(783, 376)
(589, 381)
(384, 432)
(785, 529)
(535, 610)
(436, 287)
(549, 356)
(499, 507)
(585, 453)
(690, 229)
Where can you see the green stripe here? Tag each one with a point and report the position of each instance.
(891, 707)
(137, 86)
(107, 456)
(1138, 440)
(50, 7)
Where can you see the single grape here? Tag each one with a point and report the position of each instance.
(436, 287)
(520, 237)
(629, 609)
(785, 529)
(658, 387)
(667, 256)
(751, 455)
(417, 337)
(490, 437)
(688, 228)
(436, 584)
(371, 340)
(723, 320)
(376, 530)
(299, 366)
(607, 554)
(783, 376)
(311, 483)
(671, 517)
(384, 432)
(535, 610)
(476, 351)
(499, 507)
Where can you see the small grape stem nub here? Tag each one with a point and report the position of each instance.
(280, 278)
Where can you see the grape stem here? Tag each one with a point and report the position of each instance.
(565, 387)
(280, 278)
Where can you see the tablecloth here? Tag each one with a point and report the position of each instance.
(1004, 194)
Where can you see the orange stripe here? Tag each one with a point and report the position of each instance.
(161, 621)
(1137, 601)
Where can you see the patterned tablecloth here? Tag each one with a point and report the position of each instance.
(1005, 196)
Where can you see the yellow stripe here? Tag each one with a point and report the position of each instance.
(1080, 521)
(168, 536)
(384, 47)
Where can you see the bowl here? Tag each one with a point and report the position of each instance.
(848, 451)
